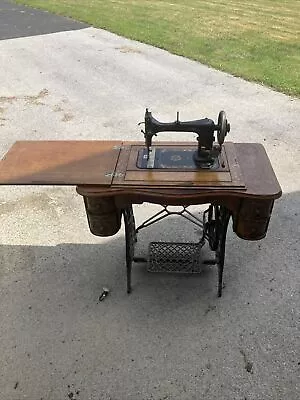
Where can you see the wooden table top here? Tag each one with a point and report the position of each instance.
(110, 166)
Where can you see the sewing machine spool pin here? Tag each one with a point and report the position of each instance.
(207, 151)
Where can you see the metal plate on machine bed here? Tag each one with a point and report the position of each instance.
(175, 158)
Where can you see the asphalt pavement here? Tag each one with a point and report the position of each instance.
(20, 21)
(172, 338)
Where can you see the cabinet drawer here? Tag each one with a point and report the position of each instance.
(254, 229)
(256, 209)
(104, 217)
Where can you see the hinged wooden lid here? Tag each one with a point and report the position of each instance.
(60, 163)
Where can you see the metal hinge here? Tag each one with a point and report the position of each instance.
(119, 147)
(114, 174)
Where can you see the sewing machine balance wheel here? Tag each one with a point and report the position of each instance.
(223, 127)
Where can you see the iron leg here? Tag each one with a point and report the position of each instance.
(130, 239)
(129, 267)
(220, 253)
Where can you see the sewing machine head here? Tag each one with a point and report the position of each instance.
(207, 151)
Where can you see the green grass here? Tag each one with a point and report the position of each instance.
(258, 40)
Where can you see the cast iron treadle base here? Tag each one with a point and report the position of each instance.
(174, 257)
(180, 257)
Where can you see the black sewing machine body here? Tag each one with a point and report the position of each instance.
(208, 154)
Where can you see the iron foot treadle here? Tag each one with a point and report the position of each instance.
(174, 257)
(180, 257)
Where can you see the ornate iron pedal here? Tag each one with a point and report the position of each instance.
(174, 257)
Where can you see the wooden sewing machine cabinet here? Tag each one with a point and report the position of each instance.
(111, 177)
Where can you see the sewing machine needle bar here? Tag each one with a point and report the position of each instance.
(151, 159)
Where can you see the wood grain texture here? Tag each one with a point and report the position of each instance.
(128, 174)
(60, 163)
(109, 181)
(254, 169)
(90, 165)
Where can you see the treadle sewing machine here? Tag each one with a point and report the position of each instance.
(235, 179)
